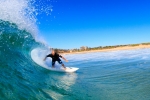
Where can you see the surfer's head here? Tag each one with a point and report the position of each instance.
(53, 51)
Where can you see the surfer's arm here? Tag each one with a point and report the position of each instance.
(64, 58)
(44, 58)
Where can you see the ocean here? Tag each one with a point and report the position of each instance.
(115, 75)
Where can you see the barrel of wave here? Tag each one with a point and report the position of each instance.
(38, 55)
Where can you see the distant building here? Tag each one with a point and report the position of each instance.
(70, 51)
(83, 48)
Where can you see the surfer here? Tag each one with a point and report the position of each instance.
(56, 57)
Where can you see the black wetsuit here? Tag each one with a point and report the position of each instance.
(55, 58)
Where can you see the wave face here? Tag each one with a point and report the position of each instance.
(15, 63)
(21, 78)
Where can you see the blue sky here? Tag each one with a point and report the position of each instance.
(76, 23)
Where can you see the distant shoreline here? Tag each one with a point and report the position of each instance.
(110, 49)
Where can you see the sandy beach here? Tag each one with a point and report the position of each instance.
(112, 49)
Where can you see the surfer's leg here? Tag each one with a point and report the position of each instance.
(60, 62)
(63, 66)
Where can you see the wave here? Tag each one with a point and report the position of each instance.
(15, 41)
(20, 75)
(21, 78)
(18, 27)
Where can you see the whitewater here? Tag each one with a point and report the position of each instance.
(115, 75)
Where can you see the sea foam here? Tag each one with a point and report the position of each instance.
(24, 14)
(20, 12)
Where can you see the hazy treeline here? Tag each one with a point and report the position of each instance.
(86, 48)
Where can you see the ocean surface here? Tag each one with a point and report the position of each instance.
(115, 75)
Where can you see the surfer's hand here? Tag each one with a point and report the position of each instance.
(66, 60)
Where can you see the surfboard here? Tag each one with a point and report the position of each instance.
(38, 55)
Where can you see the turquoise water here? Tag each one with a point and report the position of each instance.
(116, 75)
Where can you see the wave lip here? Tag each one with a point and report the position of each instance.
(20, 12)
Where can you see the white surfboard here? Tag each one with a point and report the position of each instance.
(38, 55)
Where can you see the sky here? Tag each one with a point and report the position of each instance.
(92, 23)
